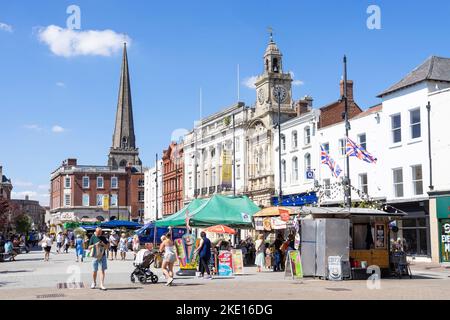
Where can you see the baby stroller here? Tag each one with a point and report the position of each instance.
(142, 263)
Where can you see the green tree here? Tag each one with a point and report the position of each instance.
(22, 223)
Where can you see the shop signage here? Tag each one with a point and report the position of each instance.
(445, 240)
(259, 224)
(67, 216)
(238, 261)
(285, 216)
(310, 175)
(293, 266)
(246, 217)
(443, 207)
(267, 222)
(226, 169)
(278, 224)
(105, 202)
(380, 233)
(225, 264)
(334, 268)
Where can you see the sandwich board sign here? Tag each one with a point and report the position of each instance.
(334, 268)
(293, 266)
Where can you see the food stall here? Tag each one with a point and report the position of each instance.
(368, 236)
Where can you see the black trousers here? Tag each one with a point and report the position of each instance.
(204, 267)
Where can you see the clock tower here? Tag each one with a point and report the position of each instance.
(273, 82)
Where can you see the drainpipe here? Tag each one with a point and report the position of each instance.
(429, 146)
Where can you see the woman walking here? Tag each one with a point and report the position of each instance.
(46, 244)
(123, 246)
(169, 258)
(136, 245)
(260, 248)
(79, 247)
(204, 252)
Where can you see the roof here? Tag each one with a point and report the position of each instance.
(434, 68)
(5, 180)
(371, 110)
(347, 212)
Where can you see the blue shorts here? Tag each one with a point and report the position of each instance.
(103, 262)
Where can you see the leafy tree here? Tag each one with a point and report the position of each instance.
(22, 223)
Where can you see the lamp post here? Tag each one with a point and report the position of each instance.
(347, 182)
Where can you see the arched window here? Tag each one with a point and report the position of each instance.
(124, 142)
(283, 170)
(307, 162)
(275, 67)
(283, 142)
(295, 169)
(123, 163)
(307, 135)
(294, 140)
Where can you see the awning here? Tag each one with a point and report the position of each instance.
(121, 224)
(275, 212)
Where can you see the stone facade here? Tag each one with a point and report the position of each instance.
(32, 209)
(5, 186)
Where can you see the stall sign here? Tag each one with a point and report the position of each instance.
(285, 216)
(445, 240)
(238, 261)
(278, 224)
(293, 266)
(185, 247)
(225, 264)
(334, 268)
(267, 222)
(259, 224)
(380, 236)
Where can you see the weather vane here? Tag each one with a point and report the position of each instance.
(270, 30)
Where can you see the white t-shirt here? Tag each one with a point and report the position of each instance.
(59, 238)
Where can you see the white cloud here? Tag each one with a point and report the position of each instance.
(58, 129)
(296, 83)
(250, 82)
(21, 183)
(5, 27)
(61, 84)
(34, 127)
(70, 43)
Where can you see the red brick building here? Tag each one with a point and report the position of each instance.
(173, 182)
(104, 192)
(81, 192)
(332, 113)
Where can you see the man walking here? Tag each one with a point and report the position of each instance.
(59, 243)
(204, 252)
(114, 243)
(99, 244)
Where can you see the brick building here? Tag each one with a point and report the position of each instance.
(32, 209)
(173, 180)
(114, 191)
(5, 186)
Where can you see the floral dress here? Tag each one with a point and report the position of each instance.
(123, 245)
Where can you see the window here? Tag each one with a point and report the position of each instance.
(213, 178)
(141, 183)
(396, 125)
(327, 187)
(362, 140)
(342, 146)
(283, 142)
(114, 183)
(326, 147)
(295, 169)
(283, 170)
(307, 135)
(398, 182)
(67, 200)
(363, 183)
(415, 123)
(417, 179)
(114, 200)
(85, 200)
(99, 200)
(67, 182)
(294, 140)
(85, 182)
(100, 183)
(307, 162)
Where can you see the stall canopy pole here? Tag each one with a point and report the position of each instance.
(156, 200)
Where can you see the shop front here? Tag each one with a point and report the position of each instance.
(443, 215)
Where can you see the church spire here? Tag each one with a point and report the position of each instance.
(123, 151)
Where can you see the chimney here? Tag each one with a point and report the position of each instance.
(71, 162)
(304, 105)
(349, 89)
(27, 197)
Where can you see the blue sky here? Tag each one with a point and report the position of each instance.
(56, 104)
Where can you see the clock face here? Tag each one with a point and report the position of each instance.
(261, 96)
(279, 93)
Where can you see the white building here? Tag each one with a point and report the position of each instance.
(153, 193)
(212, 141)
(396, 133)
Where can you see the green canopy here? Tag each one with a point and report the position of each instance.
(230, 211)
(179, 218)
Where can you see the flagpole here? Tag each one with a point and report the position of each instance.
(347, 183)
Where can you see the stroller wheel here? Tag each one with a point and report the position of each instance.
(154, 279)
(143, 279)
(132, 278)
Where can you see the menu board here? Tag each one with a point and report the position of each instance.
(334, 268)
(225, 264)
(380, 236)
(238, 261)
(294, 265)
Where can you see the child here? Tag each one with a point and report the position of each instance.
(79, 243)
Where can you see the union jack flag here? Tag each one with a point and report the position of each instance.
(326, 159)
(354, 150)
